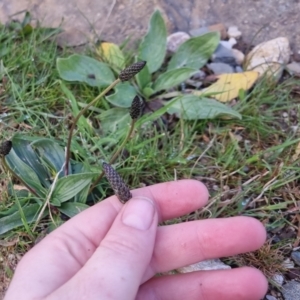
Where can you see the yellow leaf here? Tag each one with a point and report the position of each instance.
(112, 54)
(228, 85)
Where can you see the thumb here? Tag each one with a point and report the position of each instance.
(117, 267)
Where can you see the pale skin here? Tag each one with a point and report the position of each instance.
(113, 251)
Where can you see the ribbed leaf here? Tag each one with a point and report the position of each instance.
(191, 107)
(172, 78)
(123, 95)
(69, 186)
(25, 172)
(14, 220)
(195, 52)
(153, 47)
(23, 149)
(71, 209)
(85, 69)
(52, 153)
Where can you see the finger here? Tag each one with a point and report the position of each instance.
(187, 243)
(241, 283)
(117, 267)
(173, 199)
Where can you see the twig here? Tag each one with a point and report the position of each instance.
(68, 150)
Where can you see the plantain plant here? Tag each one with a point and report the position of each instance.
(55, 178)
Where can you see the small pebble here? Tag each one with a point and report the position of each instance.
(296, 257)
(238, 69)
(226, 44)
(239, 56)
(278, 278)
(224, 55)
(293, 68)
(285, 114)
(220, 68)
(270, 297)
(176, 39)
(232, 42)
(233, 32)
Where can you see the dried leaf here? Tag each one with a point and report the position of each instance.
(228, 86)
(112, 54)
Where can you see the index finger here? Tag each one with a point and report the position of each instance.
(173, 199)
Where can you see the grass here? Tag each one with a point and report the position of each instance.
(247, 164)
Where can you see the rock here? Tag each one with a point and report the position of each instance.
(291, 290)
(232, 42)
(238, 69)
(278, 278)
(296, 257)
(220, 27)
(269, 58)
(176, 39)
(270, 297)
(199, 31)
(239, 56)
(226, 44)
(293, 68)
(233, 32)
(220, 68)
(224, 55)
(213, 264)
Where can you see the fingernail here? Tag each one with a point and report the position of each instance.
(139, 213)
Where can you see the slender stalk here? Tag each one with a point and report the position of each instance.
(115, 155)
(68, 150)
(5, 165)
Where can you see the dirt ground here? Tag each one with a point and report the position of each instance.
(259, 20)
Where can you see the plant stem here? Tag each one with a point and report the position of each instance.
(68, 150)
(115, 155)
(5, 165)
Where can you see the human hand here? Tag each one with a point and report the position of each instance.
(113, 251)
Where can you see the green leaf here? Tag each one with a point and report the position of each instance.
(143, 77)
(71, 209)
(82, 122)
(52, 153)
(153, 47)
(191, 107)
(172, 78)
(67, 187)
(15, 220)
(123, 96)
(85, 69)
(24, 172)
(24, 151)
(195, 52)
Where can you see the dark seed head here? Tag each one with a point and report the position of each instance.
(5, 148)
(136, 108)
(132, 70)
(116, 182)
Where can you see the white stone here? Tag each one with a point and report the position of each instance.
(233, 32)
(176, 39)
(232, 42)
(293, 68)
(278, 278)
(239, 56)
(226, 44)
(269, 58)
(212, 264)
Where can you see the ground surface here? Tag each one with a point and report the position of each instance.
(115, 20)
